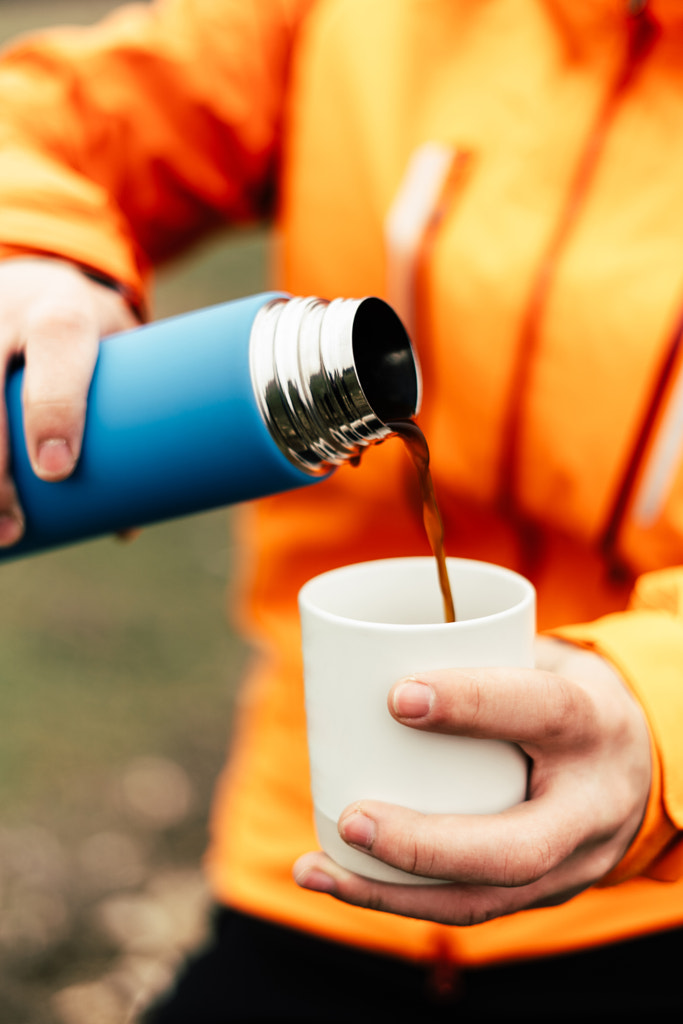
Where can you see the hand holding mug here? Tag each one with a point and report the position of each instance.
(588, 745)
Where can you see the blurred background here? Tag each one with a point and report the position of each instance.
(117, 675)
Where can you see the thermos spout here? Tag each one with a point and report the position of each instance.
(327, 376)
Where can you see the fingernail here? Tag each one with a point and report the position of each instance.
(55, 457)
(316, 880)
(11, 528)
(358, 830)
(412, 699)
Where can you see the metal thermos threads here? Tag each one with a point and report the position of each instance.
(327, 375)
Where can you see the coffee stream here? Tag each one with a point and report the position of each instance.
(416, 444)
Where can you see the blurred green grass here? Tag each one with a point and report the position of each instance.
(113, 650)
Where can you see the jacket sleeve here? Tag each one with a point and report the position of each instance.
(122, 142)
(645, 643)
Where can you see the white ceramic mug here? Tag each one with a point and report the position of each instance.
(366, 626)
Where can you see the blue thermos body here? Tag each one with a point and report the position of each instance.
(219, 406)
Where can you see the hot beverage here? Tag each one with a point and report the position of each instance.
(418, 449)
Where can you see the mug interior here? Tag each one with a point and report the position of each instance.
(405, 591)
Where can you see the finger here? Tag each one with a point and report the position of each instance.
(525, 706)
(461, 905)
(61, 345)
(514, 848)
(11, 516)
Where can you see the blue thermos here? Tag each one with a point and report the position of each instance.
(220, 406)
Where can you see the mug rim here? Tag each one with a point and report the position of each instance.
(527, 595)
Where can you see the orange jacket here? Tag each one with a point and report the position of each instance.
(508, 175)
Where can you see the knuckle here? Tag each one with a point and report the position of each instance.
(470, 704)
(416, 855)
(559, 706)
(371, 897)
(375, 901)
(54, 402)
(527, 862)
(568, 709)
(59, 321)
(479, 907)
(47, 416)
(8, 494)
(603, 859)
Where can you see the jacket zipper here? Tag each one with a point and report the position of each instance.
(643, 32)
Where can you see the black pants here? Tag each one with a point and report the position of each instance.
(254, 971)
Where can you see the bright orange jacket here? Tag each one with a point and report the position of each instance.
(508, 175)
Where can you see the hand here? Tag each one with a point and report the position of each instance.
(588, 744)
(53, 316)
